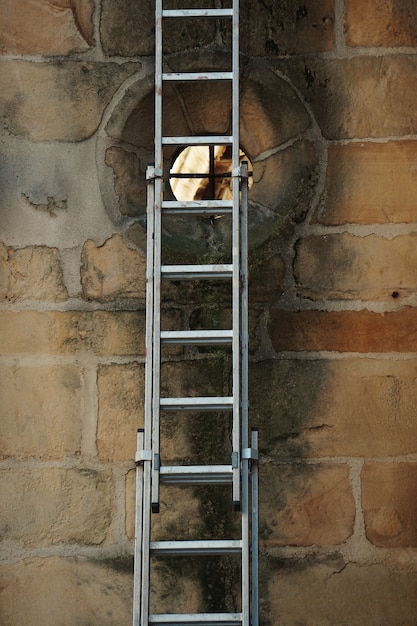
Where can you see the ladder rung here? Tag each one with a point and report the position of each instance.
(198, 140)
(197, 337)
(188, 619)
(197, 12)
(196, 474)
(185, 76)
(197, 207)
(210, 403)
(200, 547)
(196, 272)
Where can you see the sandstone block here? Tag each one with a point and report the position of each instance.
(31, 273)
(41, 101)
(112, 270)
(335, 592)
(51, 332)
(120, 410)
(326, 408)
(54, 590)
(52, 506)
(344, 331)
(40, 411)
(283, 188)
(26, 332)
(100, 332)
(370, 183)
(261, 91)
(379, 23)
(193, 378)
(280, 28)
(389, 504)
(129, 181)
(195, 437)
(180, 512)
(127, 29)
(51, 28)
(304, 506)
(346, 267)
(266, 280)
(343, 110)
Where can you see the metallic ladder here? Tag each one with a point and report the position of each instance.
(241, 472)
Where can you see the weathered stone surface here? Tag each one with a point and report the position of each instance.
(129, 180)
(280, 28)
(358, 97)
(266, 280)
(370, 183)
(119, 333)
(50, 196)
(120, 410)
(276, 28)
(52, 506)
(283, 187)
(112, 270)
(196, 437)
(304, 506)
(380, 23)
(127, 28)
(31, 273)
(190, 378)
(180, 512)
(389, 504)
(346, 267)
(40, 411)
(51, 332)
(42, 101)
(265, 96)
(51, 591)
(344, 331)
(336, 592)
(326, 408)
(40, 27)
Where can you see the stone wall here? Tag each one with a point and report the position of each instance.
(330, 124)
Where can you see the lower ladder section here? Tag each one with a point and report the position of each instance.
(245, 549)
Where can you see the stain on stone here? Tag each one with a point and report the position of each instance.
(302, 13)
(52, 206)
(309, 76)
(128, 176)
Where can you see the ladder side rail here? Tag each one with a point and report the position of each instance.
(236, 253)
(244, 329)
(246, 578)
(158, 85)
(143, 607)
(255, 528)
(235, 86)
(157, 255)
(137, 562)
(156, 403)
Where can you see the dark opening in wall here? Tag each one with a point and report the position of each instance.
(204, 173)
(277, 133)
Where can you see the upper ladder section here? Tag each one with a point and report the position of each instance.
(161, 76)
(231, 271)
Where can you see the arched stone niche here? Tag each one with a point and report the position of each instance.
(275, 133)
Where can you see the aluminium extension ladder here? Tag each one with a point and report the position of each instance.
(241, 472)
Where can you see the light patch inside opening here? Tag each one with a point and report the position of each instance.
(204, 173)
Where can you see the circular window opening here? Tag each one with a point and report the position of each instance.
(204, 173)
